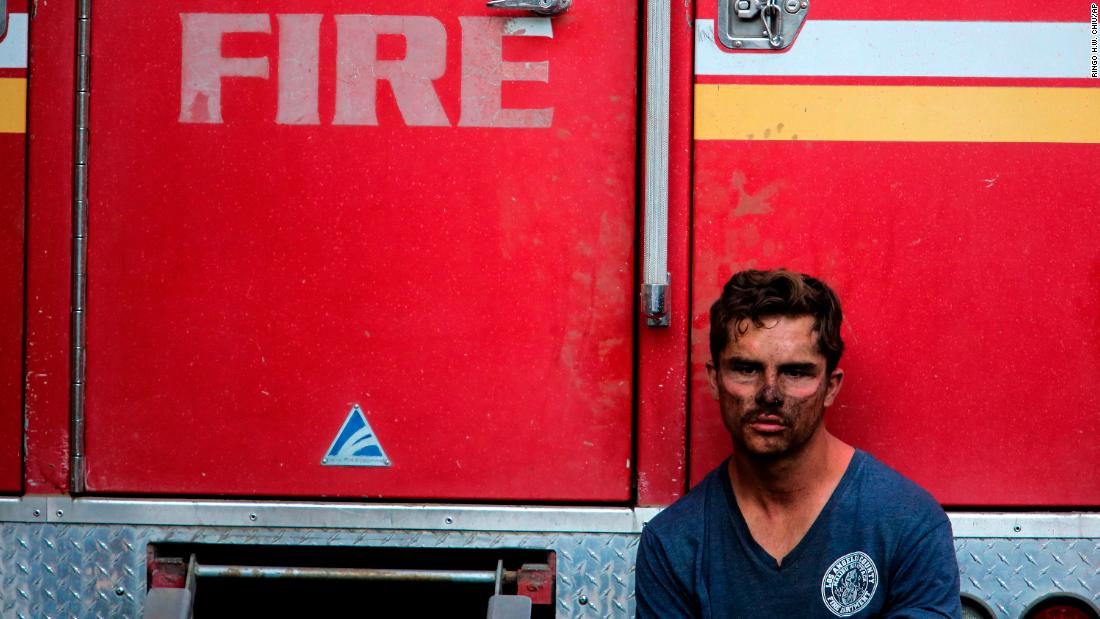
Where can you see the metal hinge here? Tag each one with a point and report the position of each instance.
(760, 24)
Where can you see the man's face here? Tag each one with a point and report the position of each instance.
(771, 386)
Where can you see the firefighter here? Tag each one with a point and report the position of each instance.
(796, 523)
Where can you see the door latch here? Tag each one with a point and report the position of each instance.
(760, 24)
(540, 7)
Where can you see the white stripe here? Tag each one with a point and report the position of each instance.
(911, 49)
(13, 49)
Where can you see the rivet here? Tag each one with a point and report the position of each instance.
(582, 600)
(252, 517)
(448, 520)
(120, 591)
(37, 513)
(60, 513)
(737, 43)
(1016, 528)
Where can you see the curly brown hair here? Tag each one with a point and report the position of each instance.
(753, 295)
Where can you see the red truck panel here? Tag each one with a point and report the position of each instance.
(49, 240)
(965, 255)
(662, 378)
(448, 247)
(12, 149)
(13, 88)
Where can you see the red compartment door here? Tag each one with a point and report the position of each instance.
(300, 212)
(13, 161)
(938, 165)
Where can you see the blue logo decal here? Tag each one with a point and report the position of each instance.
(356, 444)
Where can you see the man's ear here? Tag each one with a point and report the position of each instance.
(835, 380)
(712, 379)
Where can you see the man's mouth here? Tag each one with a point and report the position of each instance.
(767, 424)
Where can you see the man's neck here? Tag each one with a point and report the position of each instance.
(781, 498)
(783, 484)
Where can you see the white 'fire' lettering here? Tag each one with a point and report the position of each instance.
(203, 64)
(483, 71)
(299, 52)
(358, 68)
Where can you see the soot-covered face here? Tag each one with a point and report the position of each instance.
(772, 387)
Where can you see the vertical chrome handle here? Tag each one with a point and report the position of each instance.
(655, 283)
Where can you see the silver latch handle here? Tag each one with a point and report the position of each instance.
(3, 18)
(773, 25)
(541, 7)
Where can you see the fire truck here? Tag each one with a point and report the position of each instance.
(400, 308)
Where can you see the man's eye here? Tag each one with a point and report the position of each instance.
(744, 369)
(797, 373)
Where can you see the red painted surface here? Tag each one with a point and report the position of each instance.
(49, 197)
(662, 374)
(12, 214)
(166, 572)
(470, 287)
(12, 153)
(846, 80)
(970, 280)
(967, 272)
(536, 581)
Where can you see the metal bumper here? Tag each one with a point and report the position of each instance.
(87, 557)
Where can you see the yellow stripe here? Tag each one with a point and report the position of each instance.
(13, 105)
(896, 113)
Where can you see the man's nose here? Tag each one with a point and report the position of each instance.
(769, 394)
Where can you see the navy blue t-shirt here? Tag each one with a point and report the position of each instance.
(881, 547)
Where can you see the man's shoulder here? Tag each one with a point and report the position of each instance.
(673, 552)
(685, 519)
(894, 496)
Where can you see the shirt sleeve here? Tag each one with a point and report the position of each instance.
(660, 592)
(926, 582)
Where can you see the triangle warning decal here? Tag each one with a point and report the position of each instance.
(355, 444)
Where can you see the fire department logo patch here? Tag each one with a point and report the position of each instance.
(849, 584)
